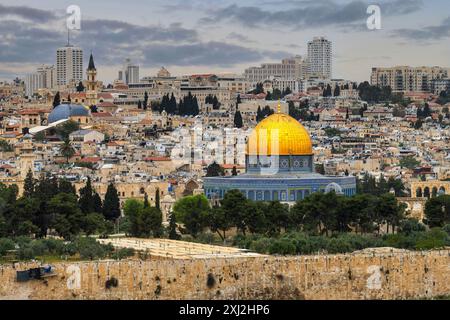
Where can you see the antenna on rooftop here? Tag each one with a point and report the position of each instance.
(68, 37)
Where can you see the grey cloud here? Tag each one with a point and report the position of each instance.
(112, 41)
(32, 14)
(436, 32)
(309, 13)
(239, 37)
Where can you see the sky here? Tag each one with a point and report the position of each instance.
(211, 36)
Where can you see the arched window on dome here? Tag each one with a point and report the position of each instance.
(292, 195)
(275, 196)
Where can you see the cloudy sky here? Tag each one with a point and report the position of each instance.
(193, 36)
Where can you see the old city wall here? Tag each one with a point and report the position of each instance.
(401, 275)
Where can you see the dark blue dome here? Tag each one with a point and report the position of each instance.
(65, 111)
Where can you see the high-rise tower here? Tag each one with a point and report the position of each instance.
(69, 65)
(320, 58)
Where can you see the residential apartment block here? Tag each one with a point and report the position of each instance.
(69, 65)
(290, 68)
(406, 79)
(320, 58)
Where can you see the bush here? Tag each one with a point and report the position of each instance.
(25, 253)
(446, 228)
(282, 246)
(123, 253)
(411, 225)
(6, 245)
(39, 247)
(261, 245)
(338, 245)
(90, 249)
(436, 238)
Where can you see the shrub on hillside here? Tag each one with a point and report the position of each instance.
(6, 245)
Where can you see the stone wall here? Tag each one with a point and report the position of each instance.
(368, 275)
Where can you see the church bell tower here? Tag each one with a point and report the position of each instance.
(91, 85)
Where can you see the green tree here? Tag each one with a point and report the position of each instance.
(98, 205)
(238, 119)
(277, 217)
(145, 103)
(437, 211)
(65, 129)
(219, 222)
(20, 216)
(337, 91)
(192, 212)
(215, 170)
(67, 150)
(157, 199)
(235, 207)
(173, 235)
(146, 202)
(5, 146)
(68, 219)
(409, 162)
(238, 100)
(29, 185)
(65, 186)
(80, 87)
(56, 100)
(151, 222)
(86, 201)
(94, 223)
(133, 212)
(111, 204)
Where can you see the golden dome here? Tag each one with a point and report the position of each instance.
(292, 137)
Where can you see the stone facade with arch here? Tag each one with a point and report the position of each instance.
(429, 189)
(415, 207)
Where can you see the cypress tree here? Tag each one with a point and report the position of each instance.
(195, 108)
(172, 105)
(111, 204)
(337, 91)
(238, 119)
(181, 108)
(259, 115)
(65, 186)
(86, 201)
(98, 206)
(173, 235)
(157, 200)
(29, 185)
(146, 203)
(56, 100)
(145, 104)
